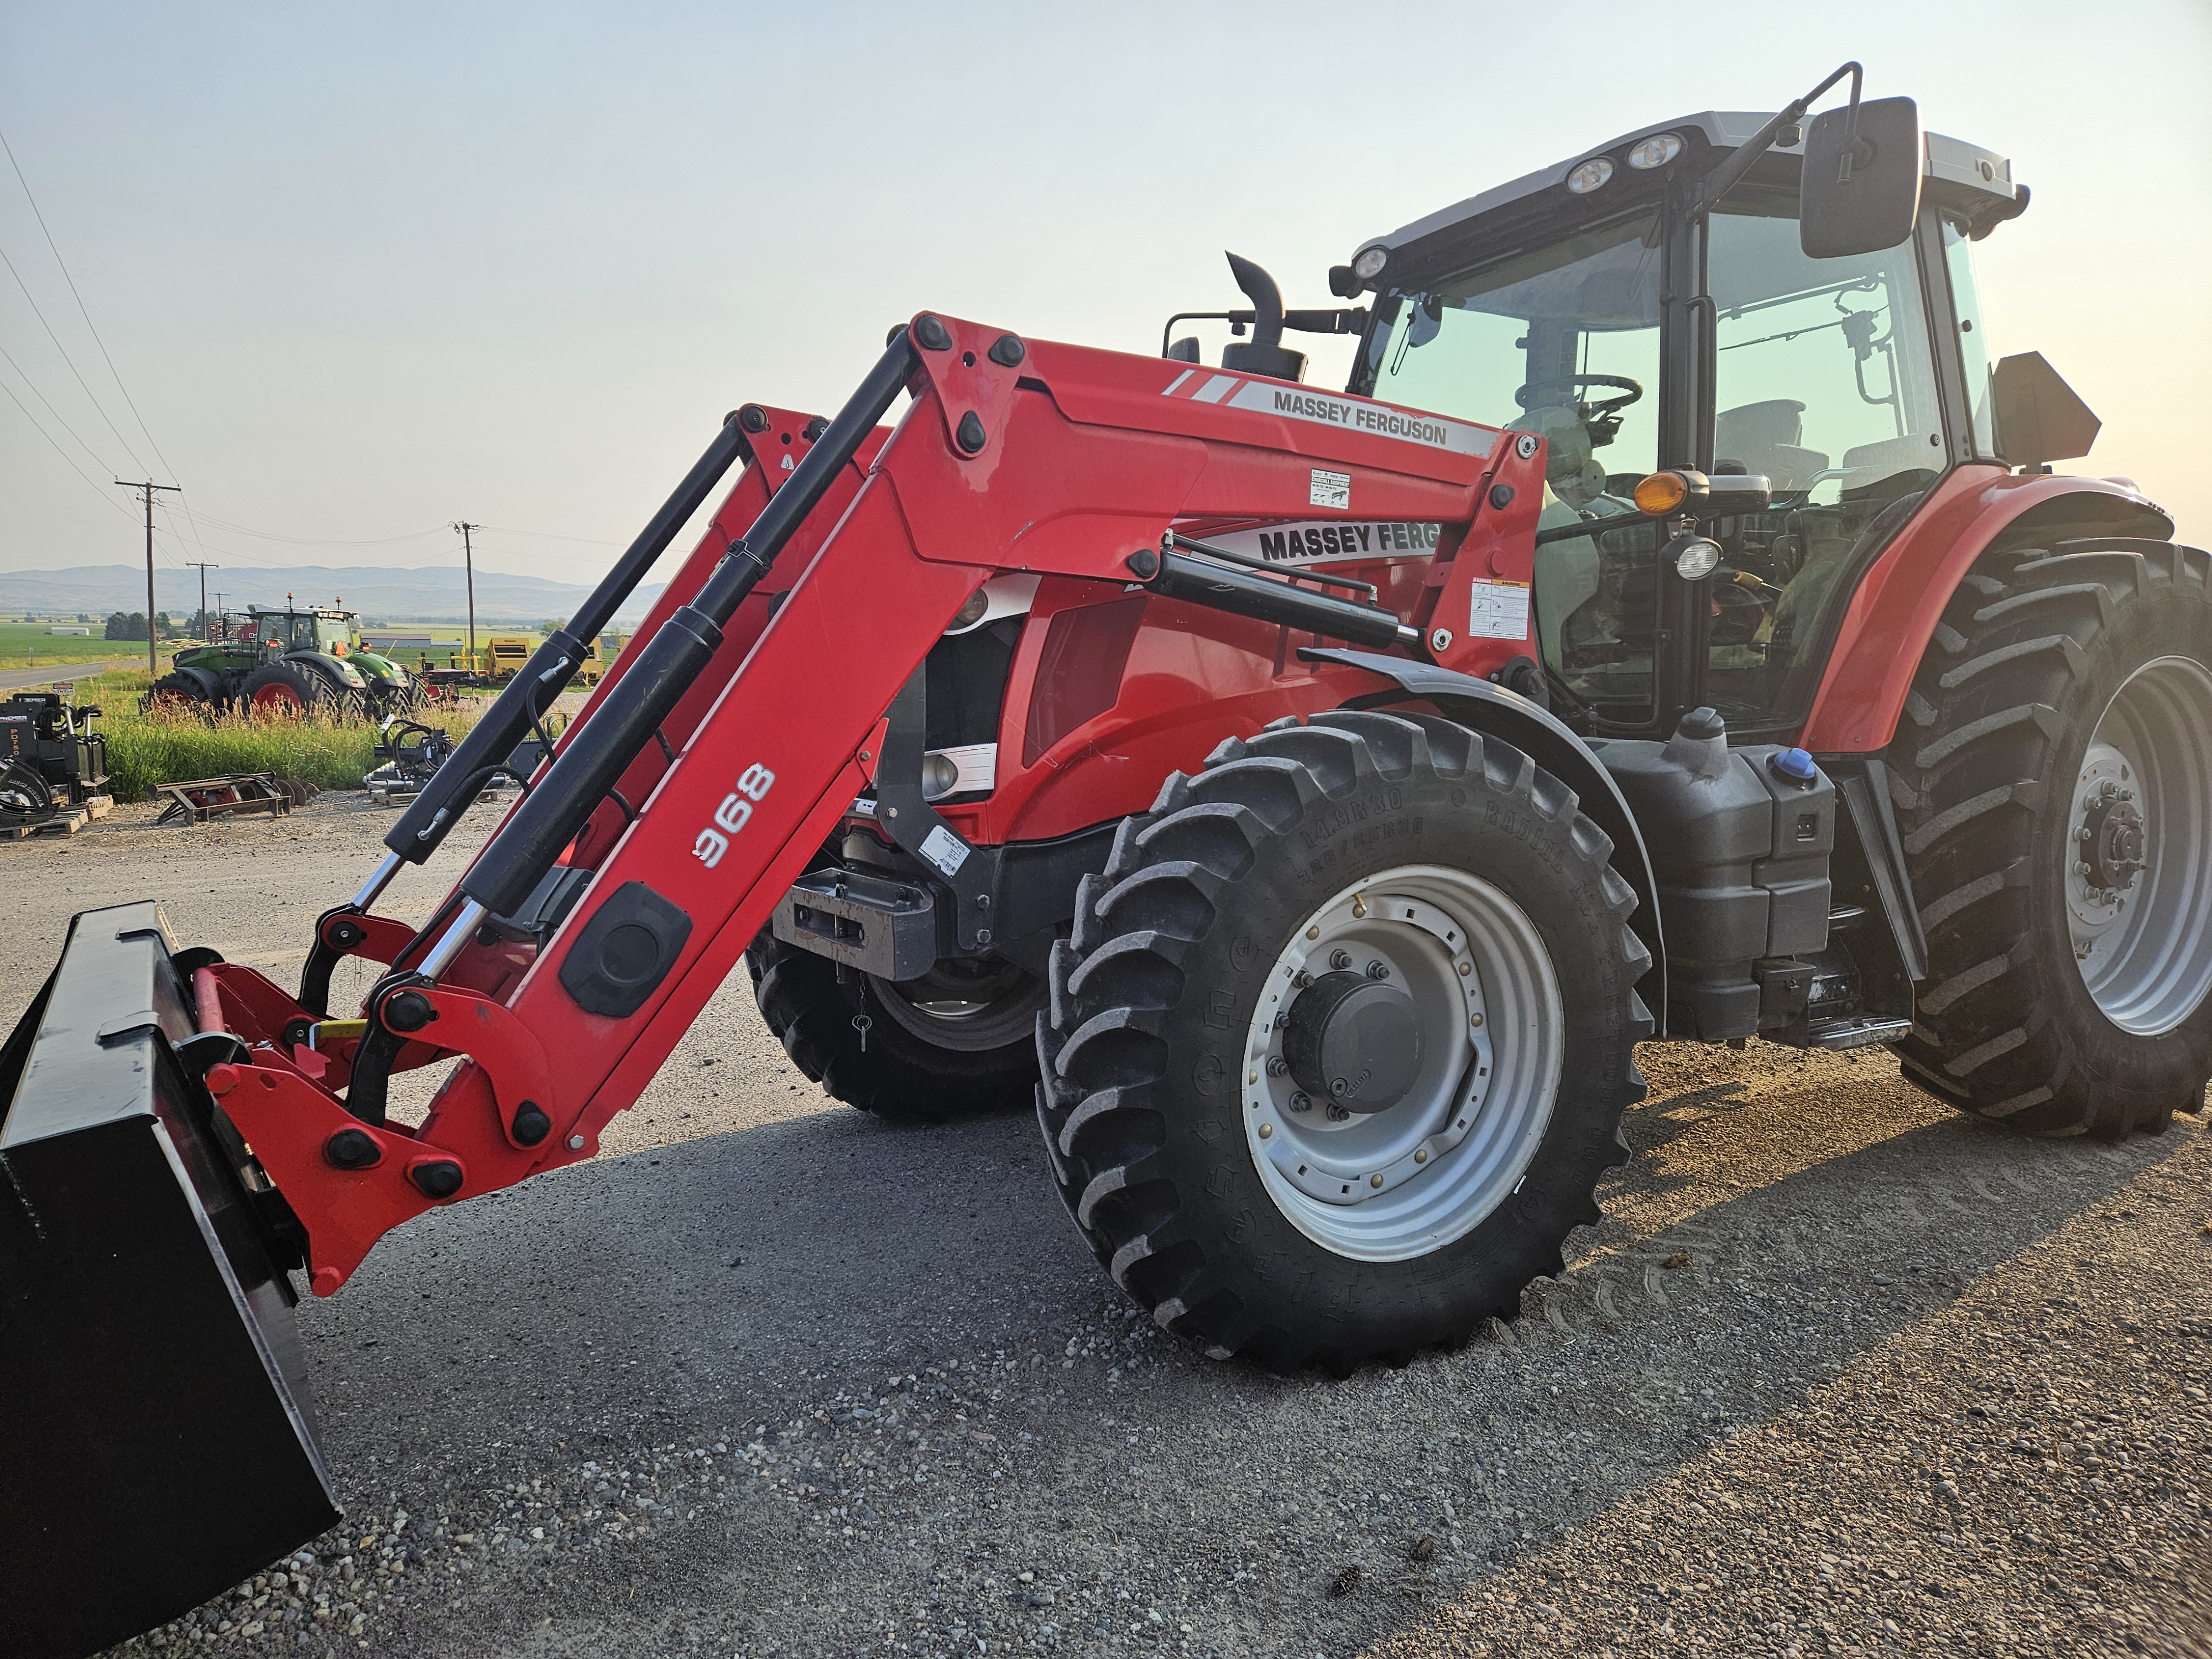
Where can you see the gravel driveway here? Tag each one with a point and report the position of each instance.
(1840, 1372)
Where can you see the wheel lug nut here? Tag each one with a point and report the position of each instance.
(1300, 980)
(1336, 1112)
(1340, 959)
(1378, 969)
(1301, 1101)
(1277, 1066)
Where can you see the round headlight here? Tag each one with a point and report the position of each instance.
(1660, 494)
(1697, 560)
(1656, 151)
(1588, 175)
(941, 775)
(1369, 266)
(970, 613)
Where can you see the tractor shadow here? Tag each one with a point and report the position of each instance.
(745, 1277)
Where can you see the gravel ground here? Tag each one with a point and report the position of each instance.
(1840, 1372)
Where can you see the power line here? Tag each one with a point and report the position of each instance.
(66, 358)
(316, 541)
(58, 450)
(114, 374)
(548, 536)
(56, 413)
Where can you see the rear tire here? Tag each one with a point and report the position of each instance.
(1168, 1105)
(282, 690)
(909, 1064)
(2068, 990)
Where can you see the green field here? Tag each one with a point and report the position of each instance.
(146, 750)
(27, 645)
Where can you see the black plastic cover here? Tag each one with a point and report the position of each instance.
(624, 951)
(154, 1408)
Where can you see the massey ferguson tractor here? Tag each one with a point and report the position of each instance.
(1308, 799)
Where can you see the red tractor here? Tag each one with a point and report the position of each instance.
(1307, 799)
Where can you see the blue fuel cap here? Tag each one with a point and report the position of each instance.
(1794, 764)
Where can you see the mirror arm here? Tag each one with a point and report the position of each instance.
(1725, 177)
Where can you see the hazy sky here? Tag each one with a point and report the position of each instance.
(365, 269)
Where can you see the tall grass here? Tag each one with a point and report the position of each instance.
(145, 750)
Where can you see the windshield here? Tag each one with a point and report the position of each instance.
(1563, 341)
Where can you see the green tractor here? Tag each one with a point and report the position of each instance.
(288, 661)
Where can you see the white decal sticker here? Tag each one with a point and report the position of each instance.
(1330, 489)
(945, 849)
(732, 815)
(1332, 541)
(1499, 611)
(1274, 397)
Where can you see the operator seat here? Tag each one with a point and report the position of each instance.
(1767, 439)
(1566, 574)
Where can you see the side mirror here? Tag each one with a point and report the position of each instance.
(1860, 192)
(2039, 418)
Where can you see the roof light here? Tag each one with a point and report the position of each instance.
(1656, 151)
(1660, 494)
(1588, 175)
(1369, 266)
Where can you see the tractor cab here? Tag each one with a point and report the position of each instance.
(327, 632)
(1639, 321)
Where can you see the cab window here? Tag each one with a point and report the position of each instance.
(1824, 384)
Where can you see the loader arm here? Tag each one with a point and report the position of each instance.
(1063, 460)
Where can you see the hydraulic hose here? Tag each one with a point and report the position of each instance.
(593, 761)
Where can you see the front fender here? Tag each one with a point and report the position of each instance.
(378, 667)
(1541, 735)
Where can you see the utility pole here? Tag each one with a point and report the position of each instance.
(469, 561)
(195, 564)
(147, 490)
(221, 629)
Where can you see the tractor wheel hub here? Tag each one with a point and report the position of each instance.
(1354, 1042)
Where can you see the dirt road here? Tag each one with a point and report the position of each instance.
(1839, 1372)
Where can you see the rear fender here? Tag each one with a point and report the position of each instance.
(1893, 616)
(1539, 734)
(205, 681)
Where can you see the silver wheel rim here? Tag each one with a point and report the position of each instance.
(2138, 875)
(972, 1014)
(1407, 1181)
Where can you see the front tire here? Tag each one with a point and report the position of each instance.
(278, 690)
(1203, 996)
(2055, 777)
(925, 1053)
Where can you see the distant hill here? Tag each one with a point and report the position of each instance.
(432, 595)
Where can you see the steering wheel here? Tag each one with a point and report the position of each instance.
(1602, 418)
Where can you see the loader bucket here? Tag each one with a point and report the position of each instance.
(155, 1440)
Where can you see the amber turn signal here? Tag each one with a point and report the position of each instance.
(1660, 494)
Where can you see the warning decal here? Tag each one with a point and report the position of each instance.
(1330, 489)
(1500, 610)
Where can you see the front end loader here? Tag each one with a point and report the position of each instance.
(1304, 801)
